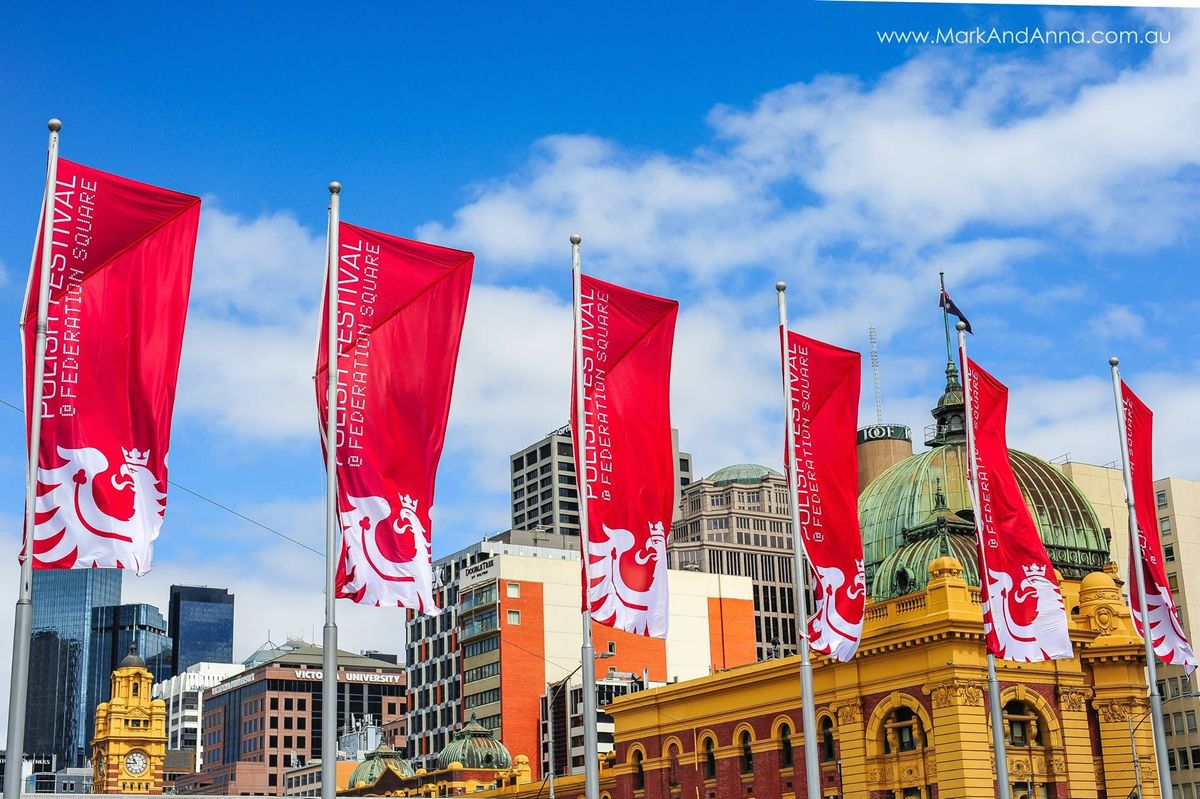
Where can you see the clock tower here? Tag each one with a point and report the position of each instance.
(131, 733)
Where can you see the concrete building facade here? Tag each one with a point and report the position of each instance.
(183, 695)
(545, 491)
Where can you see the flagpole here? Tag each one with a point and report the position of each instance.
(329, 719)
(1004, 791)
(23, 621)
(812, 768)
(587, 655)
(1135, 559)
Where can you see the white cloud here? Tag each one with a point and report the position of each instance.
(1118, 322)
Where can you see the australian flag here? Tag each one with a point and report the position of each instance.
(948, 305)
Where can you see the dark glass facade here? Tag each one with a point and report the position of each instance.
(114, 628)
(57, 719)
(201, 625)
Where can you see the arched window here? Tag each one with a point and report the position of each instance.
(639, 772)
(135, 689)
(903, 732)
(710, 759)
(1022, 724)
(673, 764)
(827, 749)
(785, 745)
(747, 753)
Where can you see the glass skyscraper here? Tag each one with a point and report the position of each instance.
(114, 628)
(201, 626)
(57, 719)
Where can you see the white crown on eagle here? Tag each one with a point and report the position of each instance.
(136, 457)
(408, 503)
(1034, 570)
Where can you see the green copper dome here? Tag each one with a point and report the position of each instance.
(476, 748)
(384, 758)
(903, 529)
(743, 474)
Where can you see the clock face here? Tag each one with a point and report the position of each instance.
(136, 763)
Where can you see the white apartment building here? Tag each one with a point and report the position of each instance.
(183, 695)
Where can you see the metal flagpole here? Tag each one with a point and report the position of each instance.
(329, 717)
(23, 621)
(591, 741)
(812, 769)
(1004, 791)
(1135, 556)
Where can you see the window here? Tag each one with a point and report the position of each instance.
(902, 732)
(1173, 582)
(639, 773)
(513, 590)
(135, 689)
(514, 617)
(785, 745)
(1160, 498)
(747, 753)
(1169, 553)
(1022, 723)
(710, 759)
(1164, 525)
(827, 748)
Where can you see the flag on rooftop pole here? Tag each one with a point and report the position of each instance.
(626, 463)
(119, 267)
(399, 321)
(824, 382)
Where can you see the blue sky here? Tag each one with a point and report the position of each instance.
(703, 151)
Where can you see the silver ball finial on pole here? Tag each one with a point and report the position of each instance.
(1113, 361)
(960, 326)
(55, 124)
(576, 238)
(335, 187)
(781, 286)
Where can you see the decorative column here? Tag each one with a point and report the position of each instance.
(961, 739)
(1080, 764)
(852, 747)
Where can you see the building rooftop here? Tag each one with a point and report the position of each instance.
(742, 474)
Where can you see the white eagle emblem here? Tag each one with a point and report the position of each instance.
(1042, 638)
(1166, 634)
(613, 601)
(833, 634)
(73, 529)
(370, 572)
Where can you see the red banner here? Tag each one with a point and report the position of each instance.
(1166, 633)
(120, 273)
(400, 314)
(627, 459)
(1023, 613)
(824, 383)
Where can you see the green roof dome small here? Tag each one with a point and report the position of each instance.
(384, 758)
(743, 474)
(476, 748)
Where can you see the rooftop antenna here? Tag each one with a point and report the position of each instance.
(875, 375)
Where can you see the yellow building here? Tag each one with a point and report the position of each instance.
(907, 718)
(130, 739)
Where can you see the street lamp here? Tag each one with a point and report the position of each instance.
(605, 655)
(1137, 768)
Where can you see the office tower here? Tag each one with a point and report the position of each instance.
(200, 623)
(512, 624)
(58, 718)
(544, 490)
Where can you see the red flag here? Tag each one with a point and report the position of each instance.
(120, 274)
(1167, 636)
(1023, 613)
(627, 459)
(824, 384)
(400, 314)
